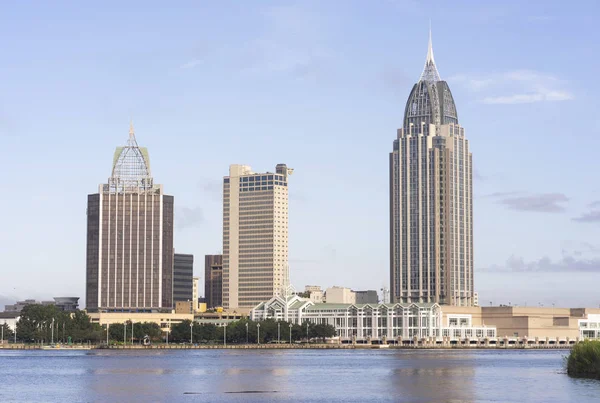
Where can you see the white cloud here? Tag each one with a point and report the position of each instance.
(516, 87)
(191, 64)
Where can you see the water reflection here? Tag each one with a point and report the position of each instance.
(291, 375)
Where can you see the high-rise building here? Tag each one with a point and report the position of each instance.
(213, 280)
(431, 199)
(183, 279)
(129, 263)
(255, 236)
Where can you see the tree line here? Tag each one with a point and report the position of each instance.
(46, 323)
(247, 331)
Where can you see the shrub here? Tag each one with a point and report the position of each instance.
(584, 360)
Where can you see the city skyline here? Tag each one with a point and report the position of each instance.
(296, 83)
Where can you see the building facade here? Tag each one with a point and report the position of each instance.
(377, 322)
(213, 280)
(183, 278)
(255, 236)
(366, 297)
(196, 293)
(340, 295)
(431, 199)
(129, 262)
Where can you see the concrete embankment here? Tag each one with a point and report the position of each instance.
(283, 347)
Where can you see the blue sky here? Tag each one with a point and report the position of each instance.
(320, 86)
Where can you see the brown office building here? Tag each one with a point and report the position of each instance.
(213, 280)
(129, 263)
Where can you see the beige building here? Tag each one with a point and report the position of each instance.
(195, 292)
(431, 199)
(530, 322)
(164, 320)
(255, 236)
(340, 295)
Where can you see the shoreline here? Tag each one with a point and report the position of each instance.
(22, 347)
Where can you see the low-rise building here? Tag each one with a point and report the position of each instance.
(67, 304)
(366, 297)
(374, 322)
(164, 320)
(10, 319)
(340, 295)
(318, 297)
(441, 322)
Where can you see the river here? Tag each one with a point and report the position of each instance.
(291, 375)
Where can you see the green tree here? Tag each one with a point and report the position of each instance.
(181, 331)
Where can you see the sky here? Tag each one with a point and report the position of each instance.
(320, 86)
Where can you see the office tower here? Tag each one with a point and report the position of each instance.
(183, 278)
(431, 199)
(129, 263)
(255, 236)
(213, 280)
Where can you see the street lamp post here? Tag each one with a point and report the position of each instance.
(52, 337)
(278, 332)
(246, 332)
(307, 339)
(258, 329)
(3, 334)
(125, 334)
(290, 333)
(225, 335)
(192, 333)
(132, 333)
(107, 326)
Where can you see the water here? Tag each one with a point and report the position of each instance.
(291, 375)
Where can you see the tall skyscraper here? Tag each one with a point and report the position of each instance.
(129, 262)
(213, 280)
(255, 236)
(183, 278)
(431, 199)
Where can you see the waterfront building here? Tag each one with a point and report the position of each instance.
(255, 236)
(377, 322)
(129, 263)
(340, 295)
(493, 325)
(213, 280)
(163, 319)
(431, 199)
(183, 279)
(196, 293)
(10, 318)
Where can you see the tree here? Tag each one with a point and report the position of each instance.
(181, 331)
